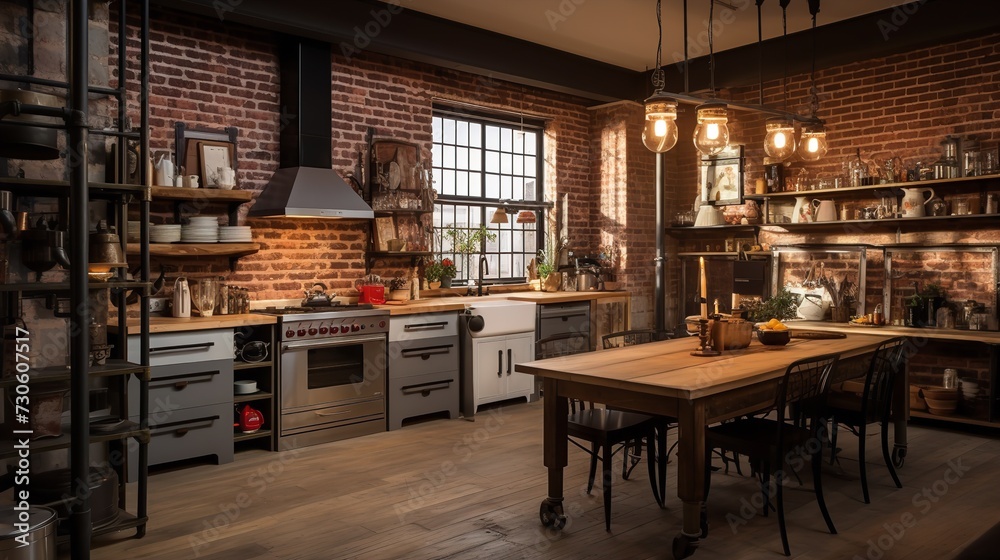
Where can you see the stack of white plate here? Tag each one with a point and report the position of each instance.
(164, 233)
(969, 389)
(201, 229)
(235, 234)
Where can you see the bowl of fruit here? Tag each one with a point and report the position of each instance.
(773, 333)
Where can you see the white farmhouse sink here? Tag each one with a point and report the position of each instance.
(502, 317)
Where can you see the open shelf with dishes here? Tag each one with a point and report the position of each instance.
(255, 378)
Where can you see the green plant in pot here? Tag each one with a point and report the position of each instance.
(440, 272)
(468, 242)
(781, 306)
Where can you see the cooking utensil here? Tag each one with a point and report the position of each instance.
(317, 297)
(27, 142)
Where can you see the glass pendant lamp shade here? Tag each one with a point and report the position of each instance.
(813, 143)
(711, 136)
(779, 144)
(660, 131)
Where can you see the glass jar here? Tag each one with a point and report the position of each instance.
(950, 379)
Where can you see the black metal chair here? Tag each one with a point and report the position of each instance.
(873, 406)
(628, 338)
(607, 432)
(794, 430)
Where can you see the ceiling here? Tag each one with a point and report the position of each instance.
(623, 32)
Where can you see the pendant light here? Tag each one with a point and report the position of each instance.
(500, 216)
(779, 143)
(526, 217)
(711, 135)
(659, 134)
(813, 144)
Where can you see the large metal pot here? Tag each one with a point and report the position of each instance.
(40, 536)
(18, 141)
(54, 488)
(588, 279)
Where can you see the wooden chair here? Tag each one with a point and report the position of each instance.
(796, 429)
(872, 406)
(628, 338)
(607, 432)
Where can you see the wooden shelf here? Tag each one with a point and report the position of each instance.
(723, 227)
(258, 396)
(187, 250)
(238, 366)
(210, 195)
(970, 182)
(863, 226)
(46, 188)
(955, 419)
(240, 436)
(62, 442)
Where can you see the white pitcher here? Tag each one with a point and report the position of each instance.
(182, 298)
(164, 171)
(825, 210)
(914, 201)
(227, 178)
(803, 212)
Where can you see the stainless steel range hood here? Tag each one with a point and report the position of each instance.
(305, 185)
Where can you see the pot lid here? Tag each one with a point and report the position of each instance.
(38, 517)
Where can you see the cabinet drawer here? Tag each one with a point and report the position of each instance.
(333, 415)
(188, 433)
(185, 347)
(185, 386)
(422, 394)
(417, 357)
(558, 318)
(431, 325)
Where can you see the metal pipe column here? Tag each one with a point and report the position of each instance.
(659, 291)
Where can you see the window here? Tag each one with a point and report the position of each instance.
(481, 163)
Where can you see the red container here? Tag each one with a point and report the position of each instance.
(372, 293)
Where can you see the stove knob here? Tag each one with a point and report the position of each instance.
(289, 333)
(313, 331)
(381, 324)
(302, 332)
(355, 328)
(362, 327)
(334, 330)
(324, 330)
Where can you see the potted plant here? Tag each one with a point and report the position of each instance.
(399, 289)
(547, 259)
(439, 273)
(610, 259)
(781, 306)
(468, 243)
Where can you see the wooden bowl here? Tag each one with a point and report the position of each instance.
(940, 393)
(941, 411)
(773, 338)
(942, 405)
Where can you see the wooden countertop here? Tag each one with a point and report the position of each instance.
(986, 337)
(445, 304)
(176, 324)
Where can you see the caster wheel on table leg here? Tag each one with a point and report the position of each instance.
(898, 456)
(551, 515)
(684, 546)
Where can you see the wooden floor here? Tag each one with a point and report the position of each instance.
(457, 489)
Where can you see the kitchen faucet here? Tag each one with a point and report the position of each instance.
(482, 262)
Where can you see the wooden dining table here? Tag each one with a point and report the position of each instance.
(664, 378)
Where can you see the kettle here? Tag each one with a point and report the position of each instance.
(249, 420)
(317, 296)
(825, 210)
(182, 298)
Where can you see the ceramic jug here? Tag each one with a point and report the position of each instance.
(803, 211)
(825, 210)
(914, 201)
(182, 298)
(164, 171)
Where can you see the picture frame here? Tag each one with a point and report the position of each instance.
(213, 156)
(385, 229)
(720, 177)
(187, 147)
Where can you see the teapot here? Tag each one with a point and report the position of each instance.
(182, 298)
(250, 420)
(914, 201)
(825, 210)
(317, 297)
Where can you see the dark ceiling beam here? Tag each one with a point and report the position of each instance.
(356, 26)
(865, 37)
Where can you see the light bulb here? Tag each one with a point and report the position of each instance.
(711, 135)
(814, 144)
(659, 134)
(779, 144)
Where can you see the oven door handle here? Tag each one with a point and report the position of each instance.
(313, 344)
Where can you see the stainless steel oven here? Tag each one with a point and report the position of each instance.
(331, 366)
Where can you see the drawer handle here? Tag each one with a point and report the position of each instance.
(426, 352)
(180, 385)
(181, 380)
(425, 388)
(181, 432)
(318, 413)
(199, 345)
(426, 326)
(187, 424)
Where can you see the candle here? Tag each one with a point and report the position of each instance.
(704, 287)
(736, 302)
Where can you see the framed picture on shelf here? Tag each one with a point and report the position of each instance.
(385, 229)
(721, 177)
(214, 155)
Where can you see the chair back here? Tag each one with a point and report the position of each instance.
(886, 362)
(628, 338)
(805, 385)
(562, 344)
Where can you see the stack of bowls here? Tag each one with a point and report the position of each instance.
(201, 229)
(917, 401)
(969, 389)
(235, 234)
(165, 233)
(940, 401)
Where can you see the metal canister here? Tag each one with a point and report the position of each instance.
(40, 534)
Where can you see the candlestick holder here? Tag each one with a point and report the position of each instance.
(704, 345)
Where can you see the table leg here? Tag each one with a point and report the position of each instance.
(690, 475)
(555, 413)
(901, 408)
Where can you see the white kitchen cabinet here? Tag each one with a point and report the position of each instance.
(494, 359)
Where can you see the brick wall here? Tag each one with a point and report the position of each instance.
(208, 74)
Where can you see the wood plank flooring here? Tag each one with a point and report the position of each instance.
(456, 489)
